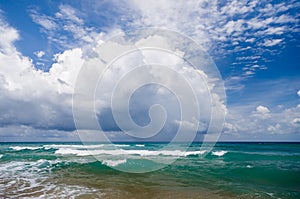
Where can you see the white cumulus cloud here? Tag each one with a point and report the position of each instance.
(262, 109)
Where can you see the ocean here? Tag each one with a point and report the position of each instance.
(229, 170)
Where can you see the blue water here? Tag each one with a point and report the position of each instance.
(72, 170)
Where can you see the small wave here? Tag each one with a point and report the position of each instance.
(75, 146)
(113, 163)
(1, 155)
(194, 153)
(19, 148)
(83, 146)
(122, 145)
(40, 165)
(140, 145)
(263, 153)
(219, 153)
(66, 151)
(70, 191)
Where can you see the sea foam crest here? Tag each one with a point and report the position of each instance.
(66, 151)
(75, 146)
(19, 148)
(219, 153)
(113, 163)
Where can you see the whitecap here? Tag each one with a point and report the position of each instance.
(140, 145)
(194, 153)
(19, 148)
(122, 145)
(219, 153)
(113, 163)
(66, 151)
(1, 155)
(74, 146)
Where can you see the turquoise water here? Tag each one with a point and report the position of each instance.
(229, 170)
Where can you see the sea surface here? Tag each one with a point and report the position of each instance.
(70, 170)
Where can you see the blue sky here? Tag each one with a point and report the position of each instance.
(255, 45)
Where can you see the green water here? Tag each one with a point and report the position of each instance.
(229, 170)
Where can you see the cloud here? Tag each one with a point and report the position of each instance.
(8, 36)
(36, 100)
(266, 110)
(262, 110)
(272, 42)
(23, 133)
(230, 129)
(248, 58)
(151, 95)
(296, 121)
(65, 29)
(218, 27)
(282, 124)
(274, 129)
(33, 98)
(69, 13)
(39, 54)
(46, 22)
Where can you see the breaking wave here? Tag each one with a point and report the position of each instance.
(219, 153)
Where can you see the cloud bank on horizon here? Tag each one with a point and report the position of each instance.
(254, 43)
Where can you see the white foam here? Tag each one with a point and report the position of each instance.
(19, 148)
(75, 146)
(219, 153)
(249, 166)
(113, 163)
(1, 155)
(68, 191)
(28, 176)
(271, 195)
(194, 153)
(140, 145)
(122, 145)
(66, 151)
(13, 166)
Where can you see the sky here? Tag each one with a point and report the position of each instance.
(254, 45)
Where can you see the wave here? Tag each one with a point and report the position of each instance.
(113, 163)
(40, 165)
(19, 148)
(116, 152)
(1, 155)
(262, 153)
(83, 146)
(140, 145)
(30, 179)
(122, 145)
(75, 146)
(219, 153)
